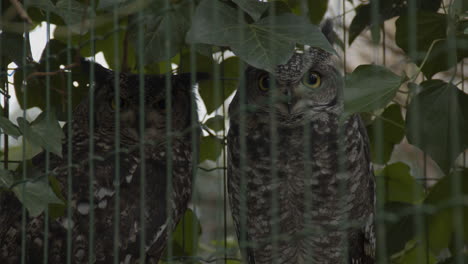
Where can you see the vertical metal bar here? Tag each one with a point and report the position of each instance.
(116, 28)
(273, 155)
(141, 110)
(455, 137)
(69, 144)
(47, 153)
(91, 231)
(243, 86)
(24, 163)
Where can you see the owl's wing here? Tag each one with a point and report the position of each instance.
(364, 250)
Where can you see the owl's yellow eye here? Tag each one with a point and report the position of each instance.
(311, 80)
(113, 104)
(264, 83)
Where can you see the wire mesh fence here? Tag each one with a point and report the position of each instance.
(233, 131)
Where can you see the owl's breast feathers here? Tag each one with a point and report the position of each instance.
(105, 189)
(301, 190)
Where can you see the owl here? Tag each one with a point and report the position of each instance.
(117, 205)
(300, 181)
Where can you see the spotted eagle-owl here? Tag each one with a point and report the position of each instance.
(300, 190)
(156, 212)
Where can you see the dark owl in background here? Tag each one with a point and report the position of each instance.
(157, 208)
(301, 185)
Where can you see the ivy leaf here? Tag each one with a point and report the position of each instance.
(400, 186)
(45, 131)
(441, 227)
(254, 8)
(398, 233)
(9, 128)
(216, 123)
(207, 88)
(436, 122)
(13, 47)
(34, 195)
(390, 128)
(431, 31)
(35, 87)
(210, 148)
(263, 44)
(385, 10)
(184, 239)
(370, 87)
(161, 27)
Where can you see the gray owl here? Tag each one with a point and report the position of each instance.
(155, 211)
(301, 185)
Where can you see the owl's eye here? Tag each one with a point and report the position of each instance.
(264, 83)
(311, 80)
(114, 106)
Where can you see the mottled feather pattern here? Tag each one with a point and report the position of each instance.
(309, 204)
(104, 185)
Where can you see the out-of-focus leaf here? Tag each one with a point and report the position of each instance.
(254, 8)
(13, 48)
(210, 148)
(216, 123)
(400, 186)
(431, 30)
(163, 29)
(436, 122)
(385, 10)
(45, 131)
(34, 86)
(441, 227)
(185, 236)
(370, 87)
(417, 254)
(263, 44)
(9, 128)
(35, 195)
(390, 128)
(227, 83)
(398, 233)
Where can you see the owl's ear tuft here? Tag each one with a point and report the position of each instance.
(100, 73)
(327, 29)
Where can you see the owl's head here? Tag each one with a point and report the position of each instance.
(134, 105)
(304, 88)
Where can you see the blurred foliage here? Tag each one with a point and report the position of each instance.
(199, 35)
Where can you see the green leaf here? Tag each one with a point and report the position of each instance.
(227, 84)
(185, 236)
(417, 254)
(263, 44)
(389, 129)
(35, 195)
(35, 87)
(370, 87)
(13, 48)
(400, 186)
(436, 122)
(9, 128)
(317, 9)
(431, 31)
(441, 227)
(254, 8)
(398, 233)
(210, 148)
(216, 123)
(385, 10)
(45, 131)
(163, 30)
